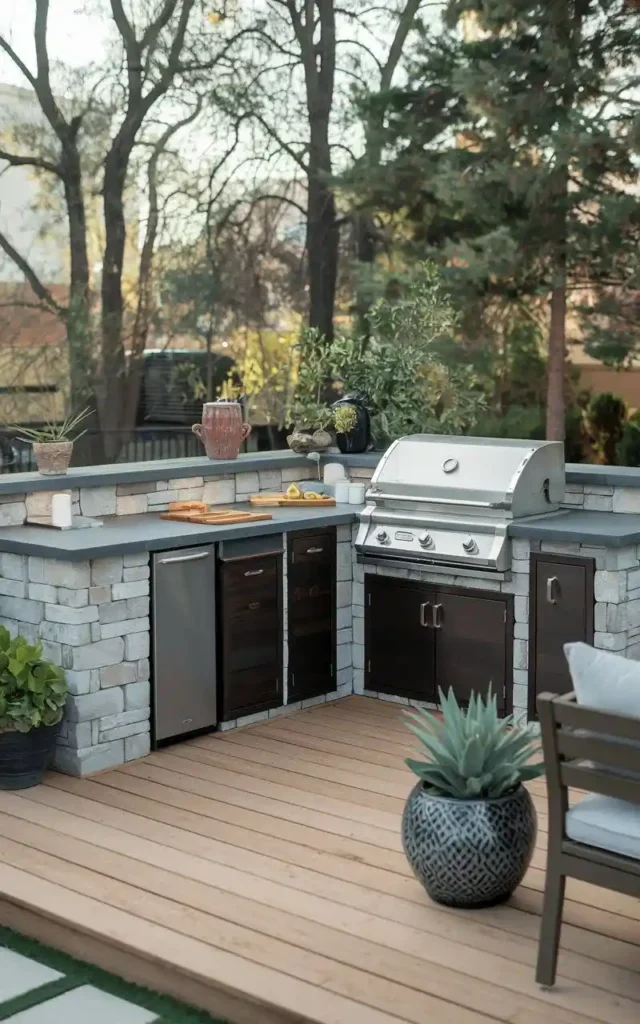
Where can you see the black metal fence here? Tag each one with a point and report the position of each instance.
(144, 444)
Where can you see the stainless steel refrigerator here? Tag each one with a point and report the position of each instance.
(184, 641)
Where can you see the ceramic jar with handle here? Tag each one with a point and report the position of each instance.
(222, 430)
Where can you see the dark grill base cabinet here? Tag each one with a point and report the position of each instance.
(311, 598)
(251, 628)
(561, 610)
(421, 637)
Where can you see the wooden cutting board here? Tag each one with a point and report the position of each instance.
(216, 518)
(281, 501)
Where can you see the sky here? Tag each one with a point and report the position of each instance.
(73, 36)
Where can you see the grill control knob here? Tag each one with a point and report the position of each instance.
(426, 540)
(382, 537)
(470, 546)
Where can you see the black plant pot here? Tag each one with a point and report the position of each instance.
(469, 853)
(358, 439)
(25, 756)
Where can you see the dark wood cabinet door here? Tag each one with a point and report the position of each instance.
(311, 600)
(472, 648)
(251, 635)
(561, 611)
(399, 639)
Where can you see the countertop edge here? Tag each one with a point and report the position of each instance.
(185, 536)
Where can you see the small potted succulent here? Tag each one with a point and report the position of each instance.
(469, 825)
(52, 444)
(33, 693)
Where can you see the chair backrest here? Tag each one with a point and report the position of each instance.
(587, 749)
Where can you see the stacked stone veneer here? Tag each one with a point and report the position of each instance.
(153, 496)
(616, 611)
(93, 619)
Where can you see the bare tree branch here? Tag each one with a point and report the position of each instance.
(8, 49)
(37, 286)
(31, 161)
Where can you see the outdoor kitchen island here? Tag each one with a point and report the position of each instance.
(311, 616)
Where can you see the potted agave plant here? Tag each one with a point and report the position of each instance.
(52, 444)
(469, 825)
(33, 693)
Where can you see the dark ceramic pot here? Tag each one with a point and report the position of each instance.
(358, 439)
(25, 756)
(469, 853)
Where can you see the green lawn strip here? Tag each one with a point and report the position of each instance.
(77, 972)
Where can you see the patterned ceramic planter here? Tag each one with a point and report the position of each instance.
(52, 457)
(469, 853)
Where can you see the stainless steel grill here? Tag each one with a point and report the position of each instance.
(447, 501)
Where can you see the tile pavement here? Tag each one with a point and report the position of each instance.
(20, 975)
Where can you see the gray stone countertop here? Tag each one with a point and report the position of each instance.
(149, 532)
(597, 529)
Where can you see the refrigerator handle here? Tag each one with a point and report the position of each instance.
(184, 558)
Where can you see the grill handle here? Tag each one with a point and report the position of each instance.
(437, 616)
(423, 614)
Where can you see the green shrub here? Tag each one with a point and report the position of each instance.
(33, 692)
(606, 415)
(629, 446)
(473, 753)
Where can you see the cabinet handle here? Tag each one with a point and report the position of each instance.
(254, 572)
(423, 614)
(315, 551)
(254, 605)
(437, 616)
(184, 558)
(552, 583)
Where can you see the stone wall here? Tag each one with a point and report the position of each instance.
(616, 612)
(602, 498)
(93, 620)
(154, 496)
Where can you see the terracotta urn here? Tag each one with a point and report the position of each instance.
(222, 430)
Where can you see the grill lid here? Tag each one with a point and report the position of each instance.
(519, 478)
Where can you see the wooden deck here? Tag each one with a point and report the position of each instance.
(259, 874)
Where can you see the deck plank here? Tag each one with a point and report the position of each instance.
(260, 875)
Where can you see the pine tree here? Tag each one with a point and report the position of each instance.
(528, 169)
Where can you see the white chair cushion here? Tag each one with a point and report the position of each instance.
(604, 681)
(607, 824)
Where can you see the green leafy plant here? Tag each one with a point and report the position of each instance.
(395, 368)
(33, 691)
(345, 418)
(473, 754)
(54, 432)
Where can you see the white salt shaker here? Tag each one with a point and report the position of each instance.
(61, 511)
(356, 494)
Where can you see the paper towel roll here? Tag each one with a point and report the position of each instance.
(61, 511)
